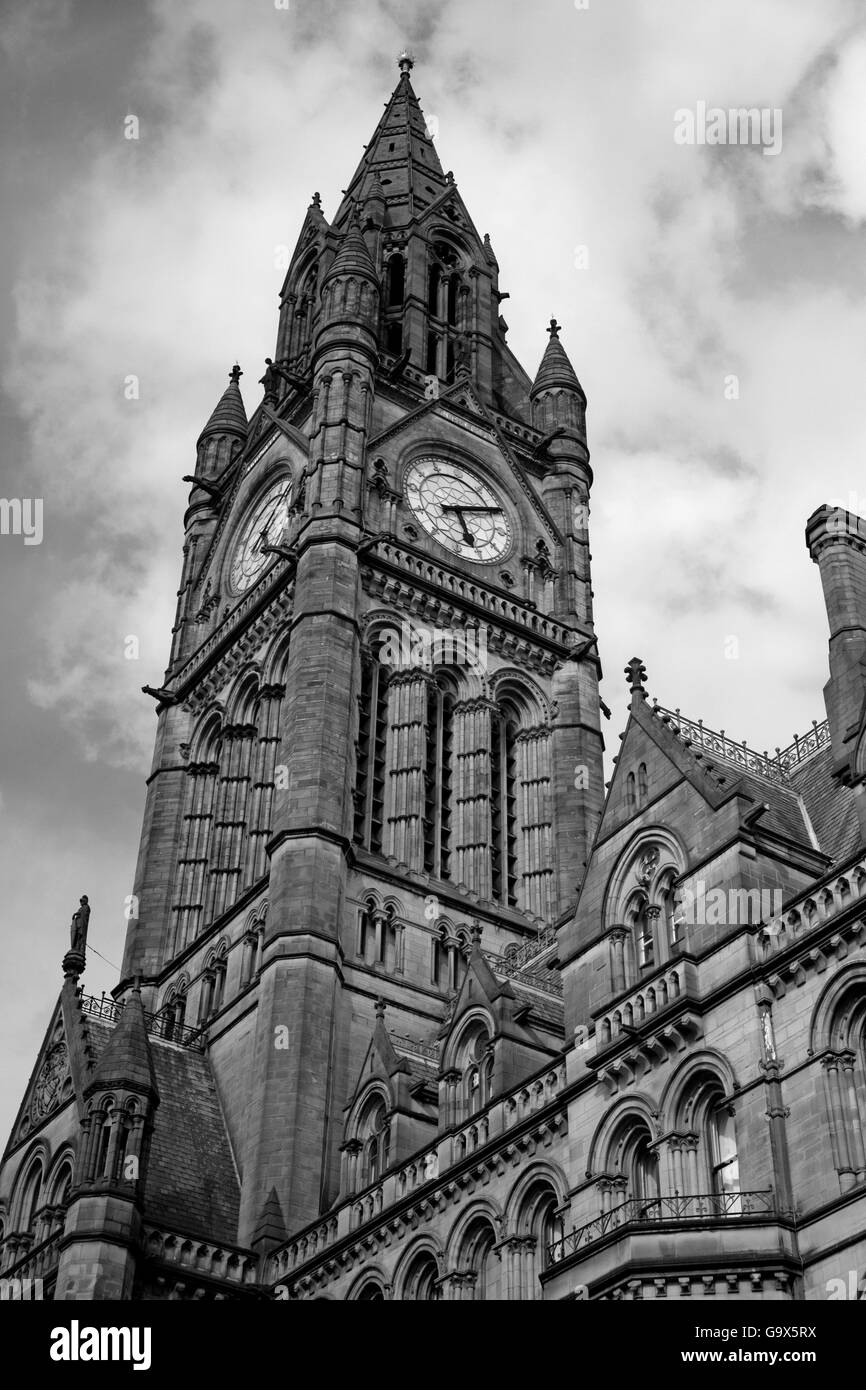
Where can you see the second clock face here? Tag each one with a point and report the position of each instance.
(458, 509)
(266, 525)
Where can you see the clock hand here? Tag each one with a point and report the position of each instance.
(468, 537)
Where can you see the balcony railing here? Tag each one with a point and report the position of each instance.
(160, 1025)
(638, 1213)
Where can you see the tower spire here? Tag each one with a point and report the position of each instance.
(401, 155)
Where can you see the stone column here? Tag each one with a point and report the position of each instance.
(617, 938)
(838, 1134)
(854, 1115)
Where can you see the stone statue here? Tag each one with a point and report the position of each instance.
(78, 931)
(274, 373)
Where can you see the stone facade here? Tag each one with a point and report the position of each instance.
(413, 1006)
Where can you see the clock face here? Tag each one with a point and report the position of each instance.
(458, 509)
(266, 525)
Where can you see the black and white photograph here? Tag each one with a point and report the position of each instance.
(433, 689)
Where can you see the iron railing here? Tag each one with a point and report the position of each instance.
(776, 768)
(638, 1213)
(159, 1025)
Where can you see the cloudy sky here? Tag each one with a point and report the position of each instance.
(672, 268)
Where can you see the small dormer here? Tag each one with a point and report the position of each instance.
(392, 1112)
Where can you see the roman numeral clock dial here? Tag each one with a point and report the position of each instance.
(266, 525)
(458, 509)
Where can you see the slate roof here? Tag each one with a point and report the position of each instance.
(546, 1008)
(190, 1185)
(830, 806)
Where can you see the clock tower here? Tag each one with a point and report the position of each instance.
(378, 741)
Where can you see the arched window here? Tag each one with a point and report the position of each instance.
(396, 280)
(481, 1259)
(191, 886)
(552, 1228)
(644, 934)
(451, 306)
(642, 784)
(370, 755)
(673, 915)
(630, 793)
(437, 800)
(643, 1169)
(433, 282)
(251, 951)
(421, 1284)
(722, 1146)
(213, 986)
(371, 1293)
(30, 1199)
(105, 1124)
(503, 805)
(173, 1012)
(475, 1065)
(61, 1185)
(374, 1135)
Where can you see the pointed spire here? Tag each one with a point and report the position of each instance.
(127, 1061)
(229, 415)
(402, 153)
(555, 370)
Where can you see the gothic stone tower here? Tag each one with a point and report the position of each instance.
(380, 720)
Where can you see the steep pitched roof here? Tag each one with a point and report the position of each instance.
(401, 156)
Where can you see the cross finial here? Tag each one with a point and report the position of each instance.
(316, 201)
(406, 62)
(554, 328)
(235, 374)
(636, 674)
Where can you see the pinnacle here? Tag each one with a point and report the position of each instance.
(229, 415)
(555, 369)
(353, 255)
(127, 1060)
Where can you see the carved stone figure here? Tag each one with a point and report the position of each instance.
(78, 930)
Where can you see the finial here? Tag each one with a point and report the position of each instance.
(636, 673)
(316, 202)
(406, 62)
(235, 374)
(380, 1008)
(554, 328)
